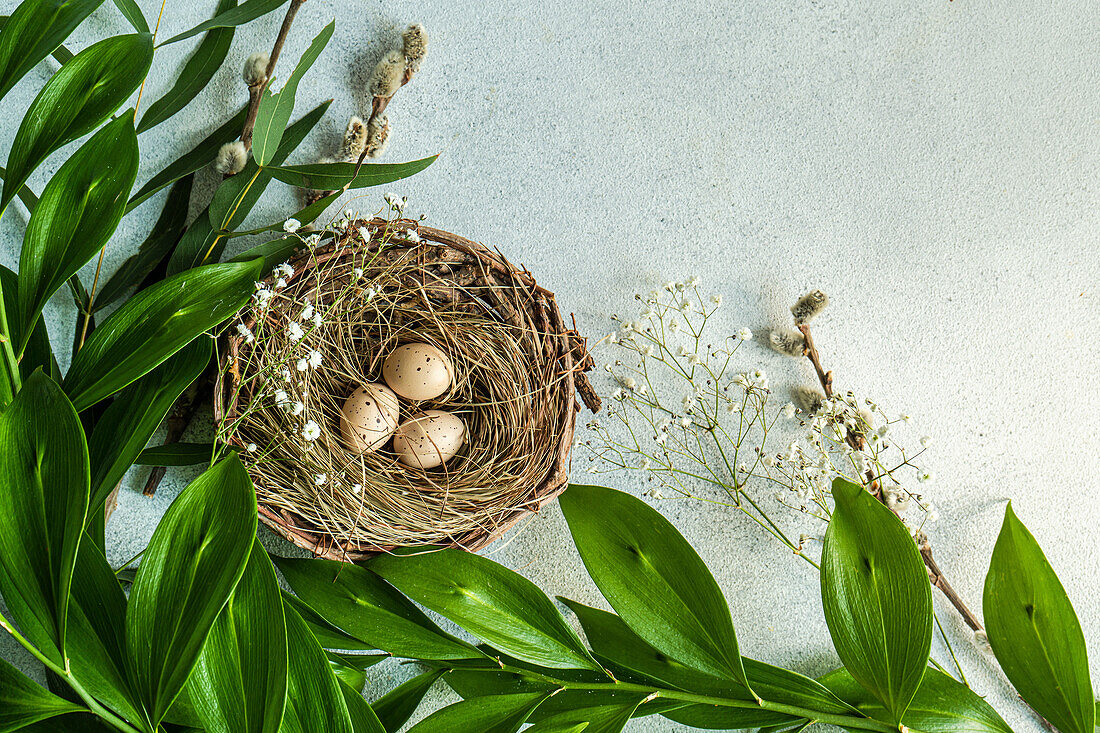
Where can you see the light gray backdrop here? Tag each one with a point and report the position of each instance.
(932, 165)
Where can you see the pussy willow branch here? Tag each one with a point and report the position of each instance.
(935, 575)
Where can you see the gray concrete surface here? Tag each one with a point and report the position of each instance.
(931, 165)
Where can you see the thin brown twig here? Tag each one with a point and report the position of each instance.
(256, 91)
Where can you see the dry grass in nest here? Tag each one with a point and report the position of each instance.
(517, 370)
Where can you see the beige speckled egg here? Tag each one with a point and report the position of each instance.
(418, 371)
(369, 417)
(429, 439)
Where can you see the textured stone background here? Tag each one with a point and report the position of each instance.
(931, 165)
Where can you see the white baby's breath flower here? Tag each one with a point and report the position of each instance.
(281, 397)
(285, 373)
(284, 270)
(315, 358)
(925, 441)
(307, 312)
(745, 334)
(925, 476)
(297, 408)
(358, 273)
(294, 331)
(245, 333)
(302, 365)
(645, 350)
(251, 448)
(279, 284)
(788, 410)
(412, 235)
(317, 320)
(311, 431)
(313, 240)
(291, 225)
(320, 479)
(685, 422)
(356, 488)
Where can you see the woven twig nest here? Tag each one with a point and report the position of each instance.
(376, 285)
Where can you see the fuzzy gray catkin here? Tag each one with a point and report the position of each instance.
(786, 341)
(387, 76)
(807, 399)
(231, 158)
(355, 139)
(415, 40)
(378, 134)
(809, 306)
(255, 68)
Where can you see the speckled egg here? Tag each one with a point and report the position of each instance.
(369, 417)
(418, 371)
(429, 439)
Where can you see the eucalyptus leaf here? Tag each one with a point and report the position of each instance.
(365, 606)
(1034, 630)
(196, 556)
(84, 93)
(197, 157)
(33, 31)
(498, 714)
(274, 111)
(239, 684)
(43, 501)
(132, 13)
(398, 705)
(941, 705)
(22, 702)
(153, 325)
(196, 74)
(38, 353)
(342, 176)
(653, 578)
(155, 249)
(131, 419)
(239, 15)
(493, 603)
(876, 597)
(77, 213)
(176, 454)
(314, 701)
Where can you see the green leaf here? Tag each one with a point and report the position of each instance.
(84, 93)
(128, 423)
(196, 74)
(876, 597)
(275, 109)
(556, 727)
(25, 194)
(1034, 631)
(38, 352)
(653, 578)
(335, 176)
(327, 635)
(490, 601)
(398, 705)
(153, 325)
(199, 156)
(155, 249)
(365, 606)
(314, 700)
(175, 454)
(596, 719)
(363, 719)
(78, 212)
(194, 560)
(239, 684)
(499, 714)
(43, 500)
(132, 13)
(351, 668)
(941, 705)
(237, 16)
(273, 253)
(33, 31)
(22, 702)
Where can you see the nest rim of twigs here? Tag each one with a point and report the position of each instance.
(467, 297)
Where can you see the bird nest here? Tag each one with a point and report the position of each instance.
(374, 286)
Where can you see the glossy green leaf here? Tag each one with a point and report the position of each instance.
(314, 701)
(176, 454)
(194, 560)
(25, 194)
(1034, 630)
(199, 156)
(275, 109)
(75, 101)
(153, 325)
(596, 719)
(398, 705)
(499, 714)
(22, 702)
(941, 705)
(131, 419)
(35, 29)
(239, 15)
(156, 248)
(556, 727)
(616, 645)
(653, 578)
(77, 213)
(133, 14)
(273, 253)
(365, 606)
(351, 668)
(490, 601)
(363, 719)
(335, 176)
(43, 500)
(38, 353)
(239, 684)
(196, 74)
(327, 635)
(876, 597)
(234, 199)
